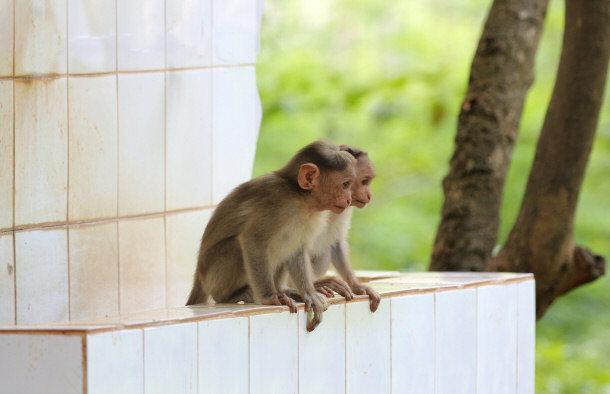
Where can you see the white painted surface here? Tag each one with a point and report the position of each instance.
(141, 34)
(322, 353)
(236, 121)
(413, 344)
(42, 289)
(526, 337)
(41, 363)
(189, 33)
(456, 322)
(92, 36)
(7, 280)
(367, 348)
(141, 143)
(92, 148)
(223, 356)
(6, 152)
(170, 359)
(236, 25)
(274, 353)
(189, 139)
(115, 362)
(497, 339)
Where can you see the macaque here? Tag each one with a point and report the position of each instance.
(331, 245)
(266, 227)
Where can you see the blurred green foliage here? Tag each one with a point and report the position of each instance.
(389, 77)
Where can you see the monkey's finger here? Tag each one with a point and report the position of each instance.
(315, 321)
(343, 290)
(289, 302)
(327, 292)
(375, 299)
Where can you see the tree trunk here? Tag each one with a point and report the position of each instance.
(541, 240)
(501, 74)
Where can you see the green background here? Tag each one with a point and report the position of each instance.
(389, 77)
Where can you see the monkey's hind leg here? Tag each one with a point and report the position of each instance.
(198, 295)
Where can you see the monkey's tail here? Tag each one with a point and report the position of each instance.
(198, 295)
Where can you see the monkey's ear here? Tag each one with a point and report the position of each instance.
(308, 175)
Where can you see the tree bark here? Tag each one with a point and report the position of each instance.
(541, 240)
(501, 74)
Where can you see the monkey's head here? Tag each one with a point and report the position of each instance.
(365, 173)
(324, 173)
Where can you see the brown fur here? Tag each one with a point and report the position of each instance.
(267, 226)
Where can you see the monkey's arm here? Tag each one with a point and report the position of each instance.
(327, 285)
(260, 275)
(299, 267)
(340, 259)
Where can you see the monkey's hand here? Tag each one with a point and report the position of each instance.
(281, 299)
(317, 303)
(329, 284)
(292, 293)
(374, 297)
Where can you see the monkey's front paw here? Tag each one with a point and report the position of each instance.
(316, 303)
(329, 284)
(374, 297)
(281, 299)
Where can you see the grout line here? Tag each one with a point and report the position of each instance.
(476, 341)
(345, 348)
(212, 102)
(33, 77)
(143, 361)
(14, 170)
(165, 149)
(249, 366)
(116, 78)
(435, 341)
(84, 362)
(87, 222)
(391, 345)
(68, 162)
(517, 342)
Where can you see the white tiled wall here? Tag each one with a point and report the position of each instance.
(121, 125)
(480, 338)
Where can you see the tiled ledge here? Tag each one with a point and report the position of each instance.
(432, 333)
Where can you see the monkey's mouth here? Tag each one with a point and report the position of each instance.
(359, 203)
(340, 208)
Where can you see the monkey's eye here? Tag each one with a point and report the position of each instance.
(365, 181)
(346, 184)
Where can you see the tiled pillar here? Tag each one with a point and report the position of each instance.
(118, 120)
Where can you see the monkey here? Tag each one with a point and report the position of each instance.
(331, 245)
(265, 227)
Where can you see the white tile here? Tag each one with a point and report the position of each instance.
(7, 280)
(40, 37)
(94, 271)
(170, 359)
(115, 362)
(92, 36)
(322, 353)
(41, 151)
(93, 148)
(183, 234)
(274, 342)
(367, 348)
(413, 344)
(526, 337)
(41, 363)
(236, 122)
(189, 139)
(141, 265)
(497, 339)
(141, 41)
(189, 33)
(6, 38)
(223, 342)
(6, 153)
(456, 322)
(141, 143)
(236, 32)
(42, 276)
